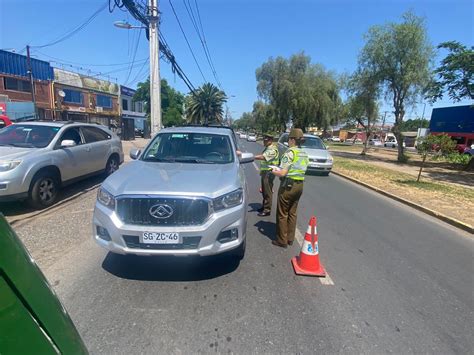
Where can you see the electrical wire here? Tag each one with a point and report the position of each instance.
(202, 39)
(138, 73)
(186, 38)
(134, 56)
(71, 33)
(67, 62)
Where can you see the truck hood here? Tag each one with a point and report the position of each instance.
(149, 178)
(11, 153)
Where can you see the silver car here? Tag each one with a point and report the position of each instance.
(38, 158)
(185, 194)
(320, 160)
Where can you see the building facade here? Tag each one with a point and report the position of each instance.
(16, 89)
(86, 99)
(132, 113)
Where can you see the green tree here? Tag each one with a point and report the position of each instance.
(206, 105)
(413, 124)
(455, 75)
(401, 56)
(440, 145)
(172, 102)
(363, 108)
(298, 91)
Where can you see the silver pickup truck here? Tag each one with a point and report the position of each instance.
(185, 194)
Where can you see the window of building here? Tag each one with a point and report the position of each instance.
(125, 104)
(104, 101)
(17, 85)
(73, 96)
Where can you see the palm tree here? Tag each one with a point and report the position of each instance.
(206, 105)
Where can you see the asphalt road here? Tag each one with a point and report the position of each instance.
(400, 282)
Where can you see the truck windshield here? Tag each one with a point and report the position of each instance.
(197, 148)
(27, 136)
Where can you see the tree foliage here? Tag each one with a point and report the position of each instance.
(455, 75)
(172, 102)
(298, 91)
(440, 145)
(206, 105)
(401, 57)
(412, 125)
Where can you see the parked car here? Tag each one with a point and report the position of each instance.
(392, 142)
(252, 137)
(243, 136)
(334, 139)
(4, 121)
(139, 132)
(375, 142)
(32, 319)
(38, 158)
(185, 194)
(320, 160)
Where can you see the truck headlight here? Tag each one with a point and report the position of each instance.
(330, 159)
(229, 200)
(7, 165)
(106, 198)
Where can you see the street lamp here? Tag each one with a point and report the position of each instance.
(155, 95)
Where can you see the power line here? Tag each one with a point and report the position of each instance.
(138, 73)
(71, 33)
(134, 56)
(206, 48)
(186, 38)
(68, 62)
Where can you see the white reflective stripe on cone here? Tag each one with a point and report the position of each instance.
(308, 249)
(308, 231)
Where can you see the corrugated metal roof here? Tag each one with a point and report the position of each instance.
(15, 64)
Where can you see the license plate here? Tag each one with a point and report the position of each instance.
(160, 238)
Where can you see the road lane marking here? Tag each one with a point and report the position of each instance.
(324, 280)
(255, 166)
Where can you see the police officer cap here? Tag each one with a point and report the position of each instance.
(296, 133)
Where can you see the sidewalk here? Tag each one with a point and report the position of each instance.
(138, 143)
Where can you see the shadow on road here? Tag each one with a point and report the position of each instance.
(266, 228)
(21, 207)
(254, 207)
(169, 268)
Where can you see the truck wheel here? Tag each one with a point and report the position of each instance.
(44, 190)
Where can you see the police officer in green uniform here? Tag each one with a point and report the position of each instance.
(268, 157)
(294, 163)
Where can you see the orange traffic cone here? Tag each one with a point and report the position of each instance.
(307, 263)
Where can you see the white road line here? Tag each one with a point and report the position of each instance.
(324, 280)
(255, 165)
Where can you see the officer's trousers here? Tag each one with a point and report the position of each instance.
(267, 190)
(288, 198)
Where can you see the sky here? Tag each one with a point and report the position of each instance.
(241, 35)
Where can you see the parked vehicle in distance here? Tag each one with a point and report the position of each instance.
(392, 142)
(139, 132)
(320, 160)
(4, 121)
(32, 319)
(185, 194)
(375, 142)
(38, 158)
(252, 137)
(334, 139)
(243, 135)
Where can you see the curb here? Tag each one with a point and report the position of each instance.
(452, 221)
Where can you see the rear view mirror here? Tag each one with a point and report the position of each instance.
(135, 153)
(68, 143)
(246, 158)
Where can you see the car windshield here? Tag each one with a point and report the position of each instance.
(27, 136)
(197, 148)
(313, 143)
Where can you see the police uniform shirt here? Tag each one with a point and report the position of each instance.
(287, 159)
(270, 153)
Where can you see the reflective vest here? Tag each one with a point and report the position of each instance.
(275, 161)
(298, 165)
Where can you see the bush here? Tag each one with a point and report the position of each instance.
(456, 158)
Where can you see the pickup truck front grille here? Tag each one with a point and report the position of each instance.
(184, 211)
